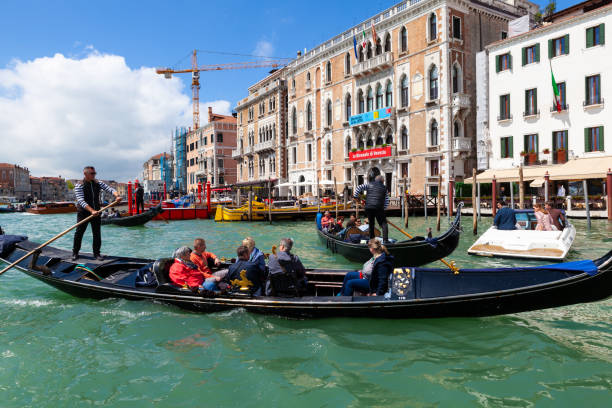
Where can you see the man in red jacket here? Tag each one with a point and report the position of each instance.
(181, 274)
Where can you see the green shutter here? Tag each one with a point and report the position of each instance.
(550, 48)
(537, 52)
(589, 37)
(567, 43)
(511, 146)
(586, 139)
(601, 139)
(509, 60)
(586, 89)
(509, 106)
(524, 54)
(526, 101)
(537, 143)
(535, 100)
(503, 147)
(602, 33)
(497, 64)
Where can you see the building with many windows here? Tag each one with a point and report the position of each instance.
(155, 172)
(543, 123)
(399, 102)
(14, 181)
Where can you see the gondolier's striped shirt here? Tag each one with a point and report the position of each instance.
(364, 187)
(80, 196)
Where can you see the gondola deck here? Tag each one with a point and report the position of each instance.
(431, 292)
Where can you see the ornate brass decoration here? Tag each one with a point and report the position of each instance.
(243, 282)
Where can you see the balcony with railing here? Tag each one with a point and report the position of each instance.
(236, 153)
(248, 150)
(374, 64)
(564, 108)
(461, 101)
(267, 145)
(463, 144)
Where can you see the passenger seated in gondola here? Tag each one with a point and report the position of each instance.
(327, 221)
(253, 276)
(286, 273)
(181, 273)
(255, 255)
(204, 261)
(373, 279)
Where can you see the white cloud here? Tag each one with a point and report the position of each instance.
(58, 114)
(264, 48)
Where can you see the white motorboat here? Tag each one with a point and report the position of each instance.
(525, 241)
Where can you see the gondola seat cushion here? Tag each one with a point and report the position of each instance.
(161, 269)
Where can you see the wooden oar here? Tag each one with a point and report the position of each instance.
(57, 236)
(451, 265)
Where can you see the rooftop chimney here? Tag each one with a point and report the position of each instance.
(210, 114)
(299, 54)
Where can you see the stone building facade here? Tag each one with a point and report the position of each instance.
(404, 106)
(14, 181)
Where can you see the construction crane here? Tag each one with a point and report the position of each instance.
(195, 76)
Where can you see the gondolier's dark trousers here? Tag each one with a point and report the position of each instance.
(380, 217)
(80, 230)
(139, 205)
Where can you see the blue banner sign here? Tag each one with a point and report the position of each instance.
(370, 116)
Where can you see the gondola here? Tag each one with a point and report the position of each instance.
(415, 292)
(133, 220)
(413, 252)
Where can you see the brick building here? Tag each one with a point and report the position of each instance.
(49, 188)
(14, 181)
(405, 107)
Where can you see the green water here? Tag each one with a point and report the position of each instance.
(60, 351)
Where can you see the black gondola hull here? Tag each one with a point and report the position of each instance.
(133, 220)
(438, 293)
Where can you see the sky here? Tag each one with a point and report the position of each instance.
(77, 79)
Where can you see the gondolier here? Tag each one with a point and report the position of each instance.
(87, 194)
(377, 200)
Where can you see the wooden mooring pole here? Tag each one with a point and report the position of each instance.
(586, 203)
(250, 206)
(406, 205)
(336, 192)
(439, 202)
(474, 204)
(521, 189)
(270, 200)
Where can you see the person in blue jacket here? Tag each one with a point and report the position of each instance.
(505, 219)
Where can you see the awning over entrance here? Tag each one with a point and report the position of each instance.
(577, 169)
(537, 183)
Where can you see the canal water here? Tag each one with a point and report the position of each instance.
(56, 350)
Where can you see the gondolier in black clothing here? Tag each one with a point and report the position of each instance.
(87, 194)
(139, 199)
(377, 200)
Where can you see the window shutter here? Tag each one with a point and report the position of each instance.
(497, 65)
(589, 37)
(537, 52)
(535, 100)
(511, 146)
(550, 48)
(524, 54)
(602, 33)
(503, 147)
(509, 60)
(526, 101)
(509, 114)
(566, 43)
(501, 106)
(601, 139)
(586, 139)
(586, 89)
(537, 143)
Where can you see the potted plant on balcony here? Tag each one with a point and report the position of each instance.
(532, 157)
(561, 155)
(546, 151)
(354, 149)
(523, 153)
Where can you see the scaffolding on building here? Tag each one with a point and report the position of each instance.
(180, 159)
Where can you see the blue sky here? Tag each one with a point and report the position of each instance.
(80, 70)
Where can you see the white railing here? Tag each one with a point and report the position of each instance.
(461, 100)
(381, 61)
(462, 143)
(236, 153)
(248, 149)
(267, 145)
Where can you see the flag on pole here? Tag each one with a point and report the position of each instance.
(374, 38)
(364, 43)
(555, 91)
(355, 47)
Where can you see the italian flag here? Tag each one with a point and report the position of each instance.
(364, 43)
(555, 91)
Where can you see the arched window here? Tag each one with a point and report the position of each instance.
(293, 83)
(456, 79)
(388, 42)
(370, 106)
(348, 146)
(294, 121)
(328, 150)
(404, 39)
(308, 80)
(347, 63)
(360, 144)
(433, 133)
(361, 101)
(404, 138)
(379, 140)
(457, 129)
(389, 94)
(347, 106)
(361, 56)
(433, 83)
(329, 113)
(328, 76)
(369, 51)
(378, 47)
(370, 142)
(309, 116)
(404, 91)
(389, 137)
(379, 96)
(433, 27)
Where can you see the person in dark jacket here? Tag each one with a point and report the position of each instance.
(505, 219)
(373, 279)
(87, 194)
(558, 218)
(286, 273)
(139, 199)
(377, 200)
(252, 273)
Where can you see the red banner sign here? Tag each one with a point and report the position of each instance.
(370, 153)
